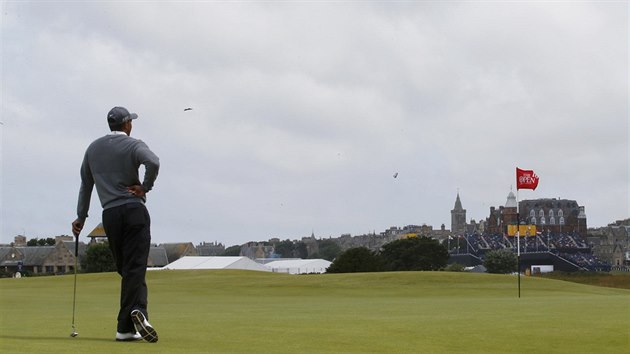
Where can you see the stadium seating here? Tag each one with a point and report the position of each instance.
(569, 247)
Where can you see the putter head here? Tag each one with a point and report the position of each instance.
(74, 334)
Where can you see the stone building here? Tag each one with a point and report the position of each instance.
(57, 259)
(548, 214)
(500, 218)
(612, 243)
(210, 249)
(254, 250)
(175, 251)
(554, 215)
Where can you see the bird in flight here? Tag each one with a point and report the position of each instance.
(187, 109)
(395, 174)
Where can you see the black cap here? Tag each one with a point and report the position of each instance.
(119, 115)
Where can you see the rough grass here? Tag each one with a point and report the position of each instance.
(255, 312)
(618, 280)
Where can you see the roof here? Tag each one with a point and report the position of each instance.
(99, 231)
(198, 262)
(157, 257)
(4, 251)
(299, 266)
(70, 247)
(175, 251)
(36, 255)
(17, 255)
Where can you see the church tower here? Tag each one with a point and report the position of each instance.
(458, 218)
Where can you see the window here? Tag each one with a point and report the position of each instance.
(533, 220)
(552, 220)
(541, 213)
(560, 213)
(562, 220)
(542, 220)
(550, 213)
(532, 213)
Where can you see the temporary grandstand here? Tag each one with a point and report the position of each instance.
(566, 252)
(199, 262)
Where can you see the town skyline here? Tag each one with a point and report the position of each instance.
(438, 231)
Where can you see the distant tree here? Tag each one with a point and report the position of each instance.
(98, 258)
(356, 260)
(328, 249)
(300, 250)
(414, 253)
(232, 251)
(284, 249)
(500, 262)
(40, 242)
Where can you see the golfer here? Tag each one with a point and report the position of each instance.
(111, 163)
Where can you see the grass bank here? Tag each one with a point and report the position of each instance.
(618, 280)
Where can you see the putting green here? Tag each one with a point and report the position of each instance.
(255, 312)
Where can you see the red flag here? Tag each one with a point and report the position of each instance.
(526, 179)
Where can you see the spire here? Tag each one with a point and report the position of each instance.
(458, 203)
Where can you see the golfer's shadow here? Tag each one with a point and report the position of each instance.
(57, 338)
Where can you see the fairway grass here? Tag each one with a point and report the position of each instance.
(255, 312)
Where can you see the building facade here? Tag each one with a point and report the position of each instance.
(554, 215)
(612, 243)
(547, 214)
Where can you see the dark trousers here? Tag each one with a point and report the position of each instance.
(128, 229)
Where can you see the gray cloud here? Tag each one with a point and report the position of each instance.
(302, 112)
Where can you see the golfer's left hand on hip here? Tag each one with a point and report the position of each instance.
(136, 190)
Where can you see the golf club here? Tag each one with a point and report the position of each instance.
(74, 294)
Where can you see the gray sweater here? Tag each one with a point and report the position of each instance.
(111, 163)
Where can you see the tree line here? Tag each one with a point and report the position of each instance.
(409, 254)
(40, 242)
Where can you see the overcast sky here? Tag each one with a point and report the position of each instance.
(303, 112)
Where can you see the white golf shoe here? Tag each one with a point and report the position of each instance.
(128, 337)
(143, 326)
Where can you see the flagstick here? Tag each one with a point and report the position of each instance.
(518, 242)
(526, 179)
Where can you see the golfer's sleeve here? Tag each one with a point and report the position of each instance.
(151, 164)
(85, 192)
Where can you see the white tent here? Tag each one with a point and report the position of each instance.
(197, 262)
(299, 266)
